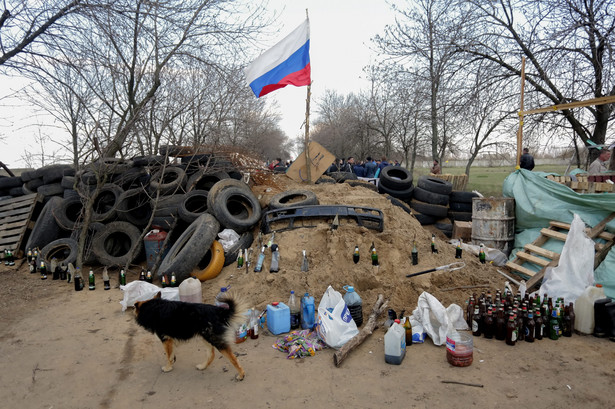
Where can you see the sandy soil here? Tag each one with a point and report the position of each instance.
(67, 349)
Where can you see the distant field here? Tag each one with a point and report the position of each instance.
(489, 181)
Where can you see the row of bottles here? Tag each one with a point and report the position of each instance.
(9, 258)
(513, 319)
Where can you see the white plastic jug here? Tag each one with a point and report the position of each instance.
(190, 290)
(584, 308)
(395, 344)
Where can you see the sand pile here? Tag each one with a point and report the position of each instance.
(330, 256)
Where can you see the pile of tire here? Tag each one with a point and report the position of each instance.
(430, 201)
(460, 205)
(46, 181)
(196, 198)
(396, 182)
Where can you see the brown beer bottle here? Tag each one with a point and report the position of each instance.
(530, 326)
(500, 326)
(476, 319)
(520, 326)
(539, 327)
(572, 315)
(470, 311)
(511, 331)
(489, 327)
(567, 328)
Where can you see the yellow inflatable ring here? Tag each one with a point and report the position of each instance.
(216, 262)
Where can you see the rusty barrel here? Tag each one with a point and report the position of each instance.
(493, 222)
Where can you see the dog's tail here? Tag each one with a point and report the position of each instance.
(238, 307)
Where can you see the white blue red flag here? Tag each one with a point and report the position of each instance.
(287, 62)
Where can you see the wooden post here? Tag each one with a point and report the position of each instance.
(520, 131)
(307, 126)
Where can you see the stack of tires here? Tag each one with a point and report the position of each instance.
(460, 204)
(397, 182)
(430, 200)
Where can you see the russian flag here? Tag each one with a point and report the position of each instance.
(287, 62)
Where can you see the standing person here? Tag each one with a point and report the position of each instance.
(527, 160)
(435, 169)
(396, 163)
(383, 163)
(275, 163)
(359, 169)
(601, 164)
(349, 165)
(370, 168)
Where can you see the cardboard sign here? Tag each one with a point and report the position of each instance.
(320, 160)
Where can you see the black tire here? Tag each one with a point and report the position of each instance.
(399, 203)
(460, 216)
(10, 182)
(154, 160)
(135, 207)
(363, 184)
(169, 180)
(193, 205)
(164, 222)
(201, 158)
(110, 166)
(105, 202)
(89, 178)
(190, 247)
(220, 186)
(34, 184)
(46, 228)
(54, 189)
(28, 175)
(340, 177)
(88, 255)
(68, 193)
(63, 250)
(244, 242)
(460, 196)
(424, 219)
(429, 209)
(235, 174)
(114, 243)
(460, 207)
(68, 182)
(68, 213)
(206, 179)
(324, 179)
(296, 197)
(395, 177)
(435, 185)
(26, 190)
(430, 197)
(16, 191)
(129, 178)
(405, 194)
(236, 208)
(167, 205)
(54, 173)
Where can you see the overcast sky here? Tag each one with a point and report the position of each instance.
(339, 49)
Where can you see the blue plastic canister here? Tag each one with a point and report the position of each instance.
(278, 318)
(153, 242)
(307, 311)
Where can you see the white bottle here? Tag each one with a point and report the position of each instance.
(584, 308)
(395, 344)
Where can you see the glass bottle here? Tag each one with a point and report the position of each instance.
(458, 250)
(500, 325)
(530, 327)
(566, 322)
(511, 331)
(43, 270)
(295, 311)
(433, 244)
(240, 259)
(415, 254)
(476, 318)
(481, 254)
(470, 311)
(148, 277)
(572, 315)
(105, 277)
(408, 329)
(488, 325)
(122, 277)
(539, 328)
(554, 327)
(355, 255)
(374, 257)
(91, 281)
(142, 275)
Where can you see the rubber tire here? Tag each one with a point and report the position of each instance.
(444, 227)
(88, 255)
(399, 194)
(461, 196)
(295, 197)
(460, 207)
(395, 177)
(129, 178)
(105, 202)
(245, 241)
(46, 228)
(460, 216)
(16, 191)
(55, 173)
(430, 197)
(399, 203)
(135, 207)
(211, 264)
(68, 182)
(190, 247)
(164, 222)
(68, 213)
(428, 209)
(235, 174)
(57, 247)
(363, 184)
(26, 190)
(109, 166)
(324, 179)
(68, 193)
(205, 179)
(54, 189)
(435, 185)
(424, 219)
(154, 160)
(193, 205)
(34, 184)
(341, 177)
(107, 249)
(159, 180)
(230, 206)
(10, 182)
(28, 175)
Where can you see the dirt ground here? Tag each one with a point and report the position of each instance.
(67, 349)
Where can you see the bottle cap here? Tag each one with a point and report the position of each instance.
(599, 285)
(275, 303)
(292, 292)
(223, 289)
(274, 247)
(397, 321)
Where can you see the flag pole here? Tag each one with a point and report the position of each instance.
(307, 127)
(521, 115)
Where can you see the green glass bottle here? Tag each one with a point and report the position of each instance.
(91, 281)
(433, 244)
(481, 254)
(374, 257)
(415, 255)
(554, 326)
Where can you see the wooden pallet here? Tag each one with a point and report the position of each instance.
(16, 220)
(459, 182)
(534, 253)
(587, 183)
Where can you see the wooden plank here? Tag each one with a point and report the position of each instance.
(24, 198)
(320, 159)
(520, 269)
(541, 252)
(554, 234)
(16, 218)
(533, 259)
(597, 229)
(14, 212)
(559, 225)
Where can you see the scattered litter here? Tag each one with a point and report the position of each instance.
(300, 344)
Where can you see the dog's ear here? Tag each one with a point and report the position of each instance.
(159, 295)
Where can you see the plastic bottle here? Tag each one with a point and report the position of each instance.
(584, 309)
(190, 290)
(459, 349)
(220, 295)
(395, 344)
(295, 311)
(259, 262)
(275, 259)
(355, 304)
(307, 311)
(254, 324)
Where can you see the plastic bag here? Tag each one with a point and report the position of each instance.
(335, 324)
(436, 320)
(495, 256)
(575, 271)
(142, 291)
(228, 238)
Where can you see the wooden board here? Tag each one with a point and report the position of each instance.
(320, 159)
(16, 220)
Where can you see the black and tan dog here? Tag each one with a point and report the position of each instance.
(180, 321)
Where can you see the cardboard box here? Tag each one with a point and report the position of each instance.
(462, 230)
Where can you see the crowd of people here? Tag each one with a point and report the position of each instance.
(368, 168)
